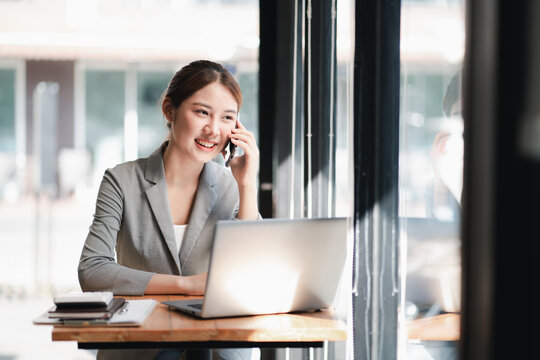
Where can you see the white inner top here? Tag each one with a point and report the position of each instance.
(179, 231)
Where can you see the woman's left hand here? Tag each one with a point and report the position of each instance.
(244, 168)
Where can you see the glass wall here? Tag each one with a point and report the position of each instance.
(344, 107)
(430, 174)
(105, 108)
(112, 61)
(7, 110)
(7, 130)
(248, 80)
(152, 127)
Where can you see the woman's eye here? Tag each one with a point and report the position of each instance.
(202, 112)
(229, 117)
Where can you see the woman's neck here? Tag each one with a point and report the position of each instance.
(180, 171)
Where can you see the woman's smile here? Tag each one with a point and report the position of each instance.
(205, 145)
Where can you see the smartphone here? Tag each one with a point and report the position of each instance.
(232, 148)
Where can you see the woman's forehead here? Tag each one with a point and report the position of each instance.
(215, 96)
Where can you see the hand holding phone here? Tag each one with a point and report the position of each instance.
(244, 169)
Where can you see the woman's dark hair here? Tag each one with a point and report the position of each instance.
(196, 75)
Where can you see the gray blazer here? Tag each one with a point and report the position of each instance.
(133, 217)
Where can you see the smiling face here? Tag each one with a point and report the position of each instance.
(201, 124)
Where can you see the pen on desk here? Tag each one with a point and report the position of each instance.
(124, 308)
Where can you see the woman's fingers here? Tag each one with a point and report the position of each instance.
(245, 167)
(244, 136)
(247, 142)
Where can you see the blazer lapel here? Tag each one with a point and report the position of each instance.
(159, 202)
(204, 203)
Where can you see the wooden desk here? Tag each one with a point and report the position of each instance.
(437, 328)
(166, 328)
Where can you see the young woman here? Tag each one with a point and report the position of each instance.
(159, 212)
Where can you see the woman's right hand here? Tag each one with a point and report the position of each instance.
(174, 284)
(193, 284)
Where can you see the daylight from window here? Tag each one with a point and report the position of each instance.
(430, 176)
(80, 83)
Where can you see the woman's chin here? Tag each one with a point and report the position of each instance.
(207, 156)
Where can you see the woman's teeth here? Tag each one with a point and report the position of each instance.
(206, 144)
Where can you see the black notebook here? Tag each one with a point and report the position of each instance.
(85, 311)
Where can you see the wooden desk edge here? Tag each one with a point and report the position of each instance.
(120, 335)
(168, 326)
(439, 328)
(444, 327)
(175, 338)
(201, 345)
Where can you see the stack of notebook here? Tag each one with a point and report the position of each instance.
(96, 309)
(87, 306)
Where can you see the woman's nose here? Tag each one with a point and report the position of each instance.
(211, 128)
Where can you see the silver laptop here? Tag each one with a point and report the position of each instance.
(271, 266)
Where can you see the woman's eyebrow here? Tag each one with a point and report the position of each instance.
(201, 104)
(210, 108)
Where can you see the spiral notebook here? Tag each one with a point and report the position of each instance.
(133, 313)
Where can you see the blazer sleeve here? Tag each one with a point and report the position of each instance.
(98, 270)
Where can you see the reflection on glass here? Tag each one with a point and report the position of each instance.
(152, 128)
(344, 107)
(431, 171)
(7, 111)
(249, 83)
(7, 134)
(105, 118)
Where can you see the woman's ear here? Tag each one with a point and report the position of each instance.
(168, 109)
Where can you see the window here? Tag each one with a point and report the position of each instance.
(7, 133)
(111, 61)
(105, 99)
(431, 169)
(151, 123)
(7, 111)
(12, 131)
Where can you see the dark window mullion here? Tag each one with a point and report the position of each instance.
(500, 185)
(267, 103)
(281, 108)
(376, 150)
(322, 55)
